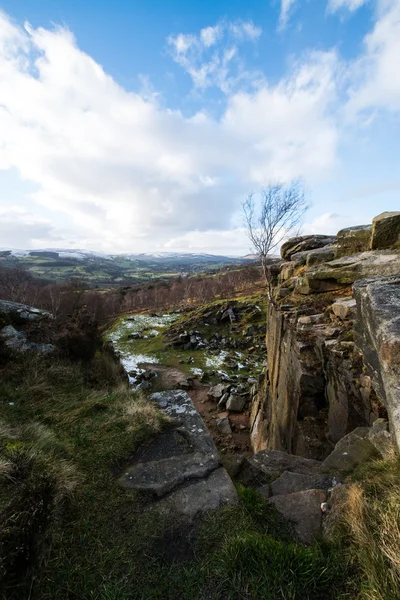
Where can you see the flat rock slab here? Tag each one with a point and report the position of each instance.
(197, 497)
(303, 511)
(162, 476)
(181, 465)
(177, 405)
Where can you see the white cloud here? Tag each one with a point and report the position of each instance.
(376, 75)
(351, 5)
(287, 7)
(130, 174)
(210, 35)
(211, 58)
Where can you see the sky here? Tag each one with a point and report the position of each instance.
(138, 126)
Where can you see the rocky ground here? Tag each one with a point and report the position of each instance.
(215, 352)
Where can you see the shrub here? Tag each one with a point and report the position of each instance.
(78, 336)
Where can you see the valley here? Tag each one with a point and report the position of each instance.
(105, 271)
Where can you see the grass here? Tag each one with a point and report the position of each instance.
(65, 432)
(367, 520)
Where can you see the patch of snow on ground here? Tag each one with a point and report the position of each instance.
(216, 361)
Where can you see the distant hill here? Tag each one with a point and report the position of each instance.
(104, 270)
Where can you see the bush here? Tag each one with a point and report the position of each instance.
(78, 336)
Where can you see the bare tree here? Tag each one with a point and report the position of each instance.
(269, 220)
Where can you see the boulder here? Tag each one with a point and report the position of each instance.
(377, 334)
(305, 242)
(235, 403)
(217, 391)
(386, 231)
(22, 311)
(353, 240)
(344, 308)
(380, 437)
(17, 341)
(303, 511)
(352, 450)
(321, 255)
(314, 257)
(289, 483)
(223, 400)
(224, 426)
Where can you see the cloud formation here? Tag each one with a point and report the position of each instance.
(122, 172)
(212, 58)
(287, 7)
(351, 5)
(128, 172)
(376, 75)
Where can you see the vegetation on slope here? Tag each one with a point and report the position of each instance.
(68, 531)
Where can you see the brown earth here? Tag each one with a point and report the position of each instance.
(239, 442)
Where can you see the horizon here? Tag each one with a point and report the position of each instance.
(130, 129)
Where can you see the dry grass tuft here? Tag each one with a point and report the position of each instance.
(369, 520)
(141, 413)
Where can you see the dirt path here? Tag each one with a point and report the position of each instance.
(239, 442)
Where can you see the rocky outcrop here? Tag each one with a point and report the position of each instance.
(333, 357)
(341, 272)
(181, 466)
(15, 334)
(21, 311)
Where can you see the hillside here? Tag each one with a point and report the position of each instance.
(105, 270)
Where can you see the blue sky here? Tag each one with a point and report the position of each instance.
(141, 126)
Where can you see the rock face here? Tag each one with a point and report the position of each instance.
(181, 466)
(333, 357)
(386, 231)
(378, 334)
